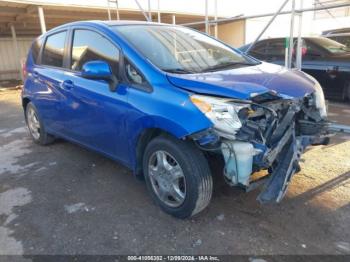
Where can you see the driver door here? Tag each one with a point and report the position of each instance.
(95, 116)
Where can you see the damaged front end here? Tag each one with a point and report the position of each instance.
(267, 132)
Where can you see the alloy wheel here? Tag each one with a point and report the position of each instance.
(167, 178)
(33, 123)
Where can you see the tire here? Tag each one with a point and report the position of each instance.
(36, 126)
(193, 186)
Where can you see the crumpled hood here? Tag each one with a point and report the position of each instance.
(243, 82)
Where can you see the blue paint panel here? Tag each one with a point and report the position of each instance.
(242, 82)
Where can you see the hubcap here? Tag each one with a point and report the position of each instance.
(167, 178)
(33, 123)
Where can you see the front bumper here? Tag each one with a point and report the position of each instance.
(276, 146)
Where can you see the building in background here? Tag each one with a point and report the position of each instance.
(314, 22)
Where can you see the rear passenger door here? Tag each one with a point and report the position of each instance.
(95, 115)
(48, 74)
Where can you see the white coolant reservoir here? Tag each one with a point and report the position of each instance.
(239, 160)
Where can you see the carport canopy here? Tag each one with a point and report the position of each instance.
(24, 18)
(29, 19)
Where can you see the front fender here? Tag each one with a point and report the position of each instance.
(168, 109)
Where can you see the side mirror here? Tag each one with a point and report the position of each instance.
(99, 70)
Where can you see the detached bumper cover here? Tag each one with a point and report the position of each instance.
(279, 131)
(287, 165)
(283, 145)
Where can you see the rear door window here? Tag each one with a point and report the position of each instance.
(89, 46)
(53, 52)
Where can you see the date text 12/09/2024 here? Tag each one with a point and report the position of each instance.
(173, 258)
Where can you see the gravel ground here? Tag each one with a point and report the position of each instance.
(63, 199)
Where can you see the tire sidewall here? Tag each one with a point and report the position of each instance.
(168, 145)
(41, 139)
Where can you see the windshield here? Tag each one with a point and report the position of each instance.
(181, 50)
(331, 45)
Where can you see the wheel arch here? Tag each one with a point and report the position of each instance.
(25, 102)
(144, 138)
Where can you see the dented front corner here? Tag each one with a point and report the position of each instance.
(272, 137)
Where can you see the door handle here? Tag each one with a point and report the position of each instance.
(67, 84)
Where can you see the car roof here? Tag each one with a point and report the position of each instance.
(336, 31)
(103, 23)
(129, 22)
(110, 23)
(294, 38)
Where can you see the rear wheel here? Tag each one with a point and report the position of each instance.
(36, 127)
(177, 176)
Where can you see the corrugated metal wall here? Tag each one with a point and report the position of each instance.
(9, 64)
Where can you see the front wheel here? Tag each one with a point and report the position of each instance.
(177, 176)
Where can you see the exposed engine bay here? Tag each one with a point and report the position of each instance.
(271, 133)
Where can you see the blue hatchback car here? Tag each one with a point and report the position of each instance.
(167, 101)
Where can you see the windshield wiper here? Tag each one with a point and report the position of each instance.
(227, 65)
(178, 71)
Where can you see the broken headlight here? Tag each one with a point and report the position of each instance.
(221, 113)
(318, 97)
(320, 102)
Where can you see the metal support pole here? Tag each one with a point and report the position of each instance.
(245, 17)
(299, 46)
(158, 12)
(286, 46)
(42, 19)
(174, 19)
(216, 17)
(118, 17)
(268, 24)
(206, 17)
(15, 45)
(109, 11)
(291, 35)
(143, 11)
(149, 10)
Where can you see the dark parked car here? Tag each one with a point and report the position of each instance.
(162, 99)
(340, 35)
(326, 60)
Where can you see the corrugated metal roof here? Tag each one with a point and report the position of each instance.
(24, 16)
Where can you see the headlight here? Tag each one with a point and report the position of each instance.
(320, 102)
(221, 113)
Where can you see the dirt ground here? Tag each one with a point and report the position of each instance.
(63, 199)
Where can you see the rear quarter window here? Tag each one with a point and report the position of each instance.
(36, 49)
